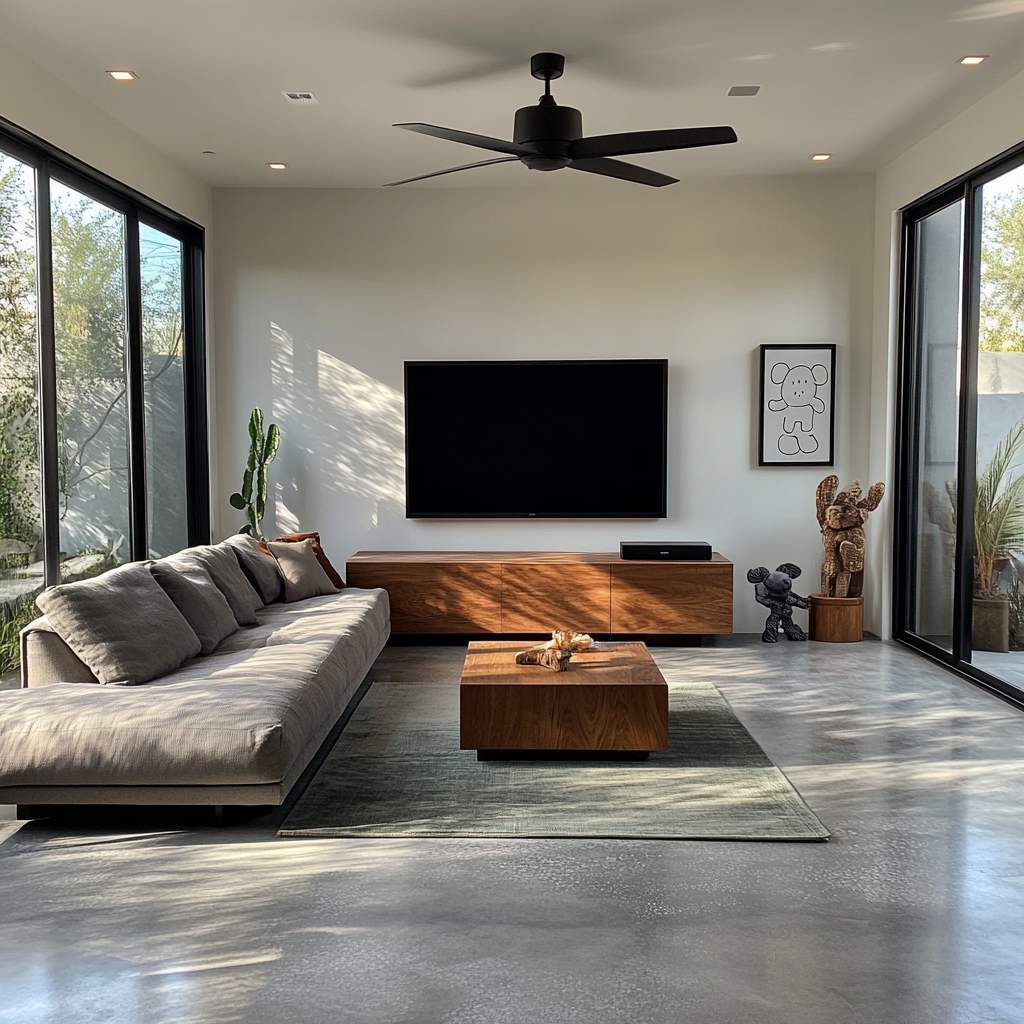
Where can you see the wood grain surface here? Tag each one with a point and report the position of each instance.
(612, 698)
(536, 591)
(536, 598)
(427, 597)
(671, 597)
(836, 620)
(551, 557)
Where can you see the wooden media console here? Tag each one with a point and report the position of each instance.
(535, 591)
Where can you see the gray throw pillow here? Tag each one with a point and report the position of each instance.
(121, 625)
(223, 567)
(303, 574)
(196, 596)
(259, 566)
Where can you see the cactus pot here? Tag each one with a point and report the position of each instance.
(990, 624)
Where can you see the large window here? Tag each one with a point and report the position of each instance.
(959, 567)
(102, 376)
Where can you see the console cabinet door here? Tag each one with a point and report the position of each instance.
(671, 597)
(436, 597)
(538, 598)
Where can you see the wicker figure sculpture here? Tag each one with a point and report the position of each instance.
(841, 517)
(775, 591)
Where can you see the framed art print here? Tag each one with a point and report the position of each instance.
(796, 409)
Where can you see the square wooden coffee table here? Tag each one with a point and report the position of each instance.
(611, 704)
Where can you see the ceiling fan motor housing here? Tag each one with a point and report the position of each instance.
(549, 129)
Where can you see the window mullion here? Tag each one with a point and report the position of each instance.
(197, 463)
(49, 441)
(967, 441)
(134, 357)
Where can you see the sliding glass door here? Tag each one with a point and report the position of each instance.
(937, 314)
(959, 551)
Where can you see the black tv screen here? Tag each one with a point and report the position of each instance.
(545, 439)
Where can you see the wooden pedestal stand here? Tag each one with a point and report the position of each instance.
(836, 620)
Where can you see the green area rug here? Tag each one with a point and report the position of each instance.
(397, 772)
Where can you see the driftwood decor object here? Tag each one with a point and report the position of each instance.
(775, 591)
(557, 652)
(841, 516)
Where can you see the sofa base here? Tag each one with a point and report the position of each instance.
(39, 797)
(219, 813)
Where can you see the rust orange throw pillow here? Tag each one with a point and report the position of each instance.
(297, 538)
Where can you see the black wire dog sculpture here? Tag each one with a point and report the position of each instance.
(775, 591)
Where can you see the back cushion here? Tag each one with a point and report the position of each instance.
(196, 596)
(304, 576)
(227, 575)
(325, 563)
(121, 624)
(259, 566)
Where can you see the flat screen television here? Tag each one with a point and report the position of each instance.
(536, 439)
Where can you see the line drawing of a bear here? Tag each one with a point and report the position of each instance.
(798, 403)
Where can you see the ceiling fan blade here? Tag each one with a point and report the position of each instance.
(627, 143)
(452, 170)
(620, 169)
(469, 139)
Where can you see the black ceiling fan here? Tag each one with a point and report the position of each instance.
(548, 137)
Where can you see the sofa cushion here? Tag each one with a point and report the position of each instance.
(347, 615)
(259, 565)
(222, 565)
(321, 556)
(303, 574)
(196, 596)
(121, 625)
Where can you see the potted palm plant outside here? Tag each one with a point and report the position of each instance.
(998, 534)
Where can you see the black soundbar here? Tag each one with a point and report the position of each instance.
(666, 551)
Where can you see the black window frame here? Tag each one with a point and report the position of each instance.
(50, 162)
(966, 188)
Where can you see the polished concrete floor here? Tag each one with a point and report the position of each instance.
(912, 914)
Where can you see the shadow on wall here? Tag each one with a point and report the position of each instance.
(343, 450)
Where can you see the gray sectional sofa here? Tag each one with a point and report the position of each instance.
(236, 726)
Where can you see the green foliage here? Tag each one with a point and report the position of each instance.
(998, 513)
(13, 618)
(252, 499)
(19, 441)
(1001, 326)
(90, 320)
(1016, 599)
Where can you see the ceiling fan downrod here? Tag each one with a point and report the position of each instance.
(547, 127)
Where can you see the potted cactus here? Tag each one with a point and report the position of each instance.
(252, 498)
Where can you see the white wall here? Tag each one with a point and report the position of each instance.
(981, 132)
(321, 295)
(33, 99)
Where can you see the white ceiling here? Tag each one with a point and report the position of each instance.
(861, 79)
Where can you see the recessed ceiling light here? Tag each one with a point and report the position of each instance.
(209, 152)
(975, 58)
(277, 166)
(820, 158)
(743, 90)
(122, 76)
